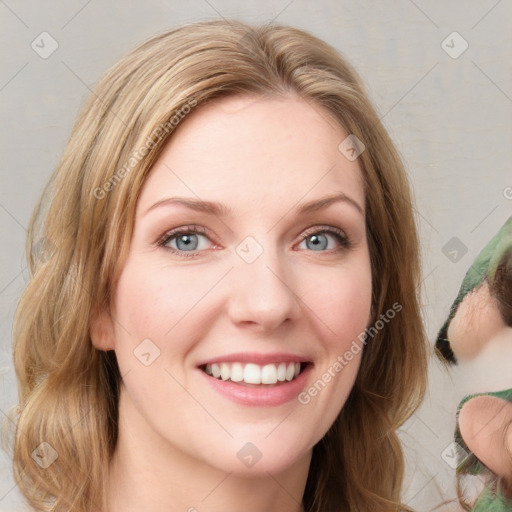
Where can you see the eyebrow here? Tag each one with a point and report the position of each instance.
(221, 210)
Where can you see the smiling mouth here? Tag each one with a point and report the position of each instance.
(255, 374)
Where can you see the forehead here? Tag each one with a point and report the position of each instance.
(249, 150)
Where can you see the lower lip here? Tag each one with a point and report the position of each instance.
(264, 396)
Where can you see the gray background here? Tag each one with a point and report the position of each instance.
(450, 118)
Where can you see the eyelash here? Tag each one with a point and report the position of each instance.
(341, 237)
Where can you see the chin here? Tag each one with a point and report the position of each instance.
(248, 460)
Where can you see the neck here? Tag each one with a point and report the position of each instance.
(148, 473)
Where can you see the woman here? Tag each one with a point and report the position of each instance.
(224, 310)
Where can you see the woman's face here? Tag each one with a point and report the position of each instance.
(243, 264)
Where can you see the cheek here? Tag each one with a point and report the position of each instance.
(154, 330)
(342, 302)
(351, 305)
(150, 303)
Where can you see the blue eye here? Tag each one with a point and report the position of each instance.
(318, 240)
(187, 242)
(190, 241)
(184, 240)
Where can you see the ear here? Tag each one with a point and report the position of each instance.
(102, 330)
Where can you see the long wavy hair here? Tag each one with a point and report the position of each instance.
(79, 236)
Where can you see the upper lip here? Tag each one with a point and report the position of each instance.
(257, 358)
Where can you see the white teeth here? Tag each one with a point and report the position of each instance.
(269, 374)
(251, 373)
(216, 370)
(224, 371)
(237, 372)
(281, 372)
(290, 371)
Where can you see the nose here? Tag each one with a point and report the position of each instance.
(263, 294)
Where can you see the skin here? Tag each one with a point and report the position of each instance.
(475, 324)
(178, 437)
(478, 329)
(482, 421)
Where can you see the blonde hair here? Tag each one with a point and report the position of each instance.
(68, 390)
